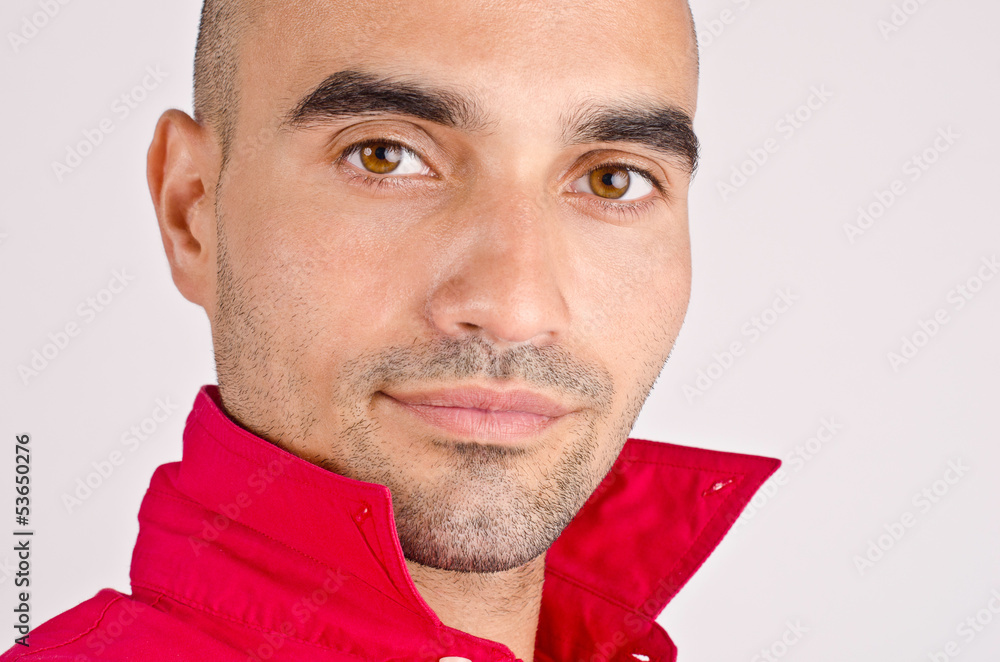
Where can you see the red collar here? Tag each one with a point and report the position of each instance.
(242, 529)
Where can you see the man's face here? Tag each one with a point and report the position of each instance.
(476, 238)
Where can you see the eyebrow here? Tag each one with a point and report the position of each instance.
(663, 128)
(659, 126)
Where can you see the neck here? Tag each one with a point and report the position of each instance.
(500, 606)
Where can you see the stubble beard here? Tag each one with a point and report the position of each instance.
(497, 506)
(486, 516)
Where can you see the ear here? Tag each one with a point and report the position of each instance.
(182, 167)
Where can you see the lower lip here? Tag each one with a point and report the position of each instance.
(481, 424)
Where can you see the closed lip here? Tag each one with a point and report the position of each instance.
(474, 397)
(483, 414)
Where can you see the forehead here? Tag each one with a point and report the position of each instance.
(521, 57)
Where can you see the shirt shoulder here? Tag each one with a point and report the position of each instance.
(112, 627)
(62, 635)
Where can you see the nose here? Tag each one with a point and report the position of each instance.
(505, 279)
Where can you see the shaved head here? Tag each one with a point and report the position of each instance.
(385, 207)
(437, 194)
(224, 23)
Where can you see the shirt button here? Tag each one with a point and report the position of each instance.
(454, 659)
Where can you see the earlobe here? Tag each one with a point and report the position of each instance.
(181, 169)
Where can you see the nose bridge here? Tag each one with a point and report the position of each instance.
(517, 247)
(514, 220)
(506, 280)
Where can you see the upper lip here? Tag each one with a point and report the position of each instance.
(476, 397)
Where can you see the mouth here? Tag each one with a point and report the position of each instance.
(483, 414)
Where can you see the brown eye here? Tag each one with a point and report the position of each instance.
(383, 157)
(380, 157)
(616, 182)
(609, 181)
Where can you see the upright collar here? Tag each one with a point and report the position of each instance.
(653, 520)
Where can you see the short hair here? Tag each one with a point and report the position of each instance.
(216, 66)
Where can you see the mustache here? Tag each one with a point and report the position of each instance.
(447, 359)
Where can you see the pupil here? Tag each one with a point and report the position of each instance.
(380, 153)
(607, 178)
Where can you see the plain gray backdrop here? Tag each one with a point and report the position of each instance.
(849, 168)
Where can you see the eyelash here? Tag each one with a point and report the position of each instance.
(631, 209)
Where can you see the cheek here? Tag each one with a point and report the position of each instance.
(636, 292)
(334, 285)
(637, 313)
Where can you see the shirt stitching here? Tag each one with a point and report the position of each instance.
(199, 607)
(683, 466)
(100, 617)
(291, 547)
(254, 462)
(696, 546)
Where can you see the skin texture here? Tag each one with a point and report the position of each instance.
(490, 268)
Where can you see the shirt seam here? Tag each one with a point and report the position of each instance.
(288, 546)
(696, 546)
(163, 591)
(684, 466)
(81, 635)
(253, 461)
(614, 601)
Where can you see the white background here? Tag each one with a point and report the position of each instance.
(886, 97)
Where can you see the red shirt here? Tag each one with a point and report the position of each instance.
(249, 553)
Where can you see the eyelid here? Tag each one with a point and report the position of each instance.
(602, 159)
(356, 147)
(635, 208)
(632, 209)
(640, 172)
